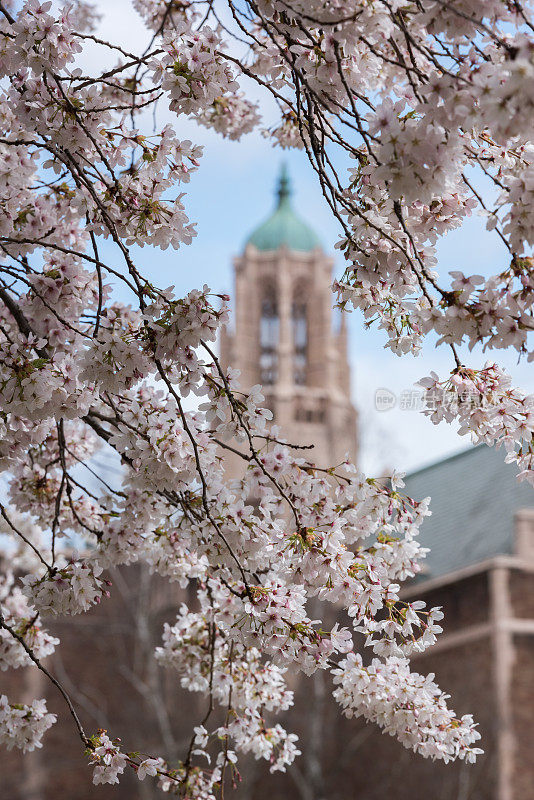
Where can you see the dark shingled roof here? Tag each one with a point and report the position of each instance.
(474, 498)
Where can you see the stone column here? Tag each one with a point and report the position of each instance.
(503, 655)
(285, 343)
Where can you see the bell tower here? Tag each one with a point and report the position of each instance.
(284, 335)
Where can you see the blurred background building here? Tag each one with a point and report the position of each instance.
(284, 336)
(479, 569)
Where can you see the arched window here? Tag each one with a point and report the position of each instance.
(269, 328)
(300, 340)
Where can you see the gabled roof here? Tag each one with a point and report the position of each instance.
(284, 226)
(474, 498)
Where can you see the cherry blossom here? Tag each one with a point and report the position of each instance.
(403, 112)
(488, 409)
(416, 712)
(109, 761)
(70, 590)
(23, 725)
(23, 619)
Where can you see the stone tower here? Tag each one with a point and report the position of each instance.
(284, 335)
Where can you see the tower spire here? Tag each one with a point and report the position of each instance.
(284, 186)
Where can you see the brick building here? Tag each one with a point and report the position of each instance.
(480, 569)
(284, 335)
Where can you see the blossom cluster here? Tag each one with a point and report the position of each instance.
(68, 590)
(237, 677)
(232, 116)
(488, 409)
(21, 618)
(23, 725)
(416, 713)
(190, 71)
(108, 760)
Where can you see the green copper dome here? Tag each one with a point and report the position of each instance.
(284, 227)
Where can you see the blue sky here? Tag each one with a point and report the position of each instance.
(233, 191)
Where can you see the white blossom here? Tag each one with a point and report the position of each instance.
(22, 725)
